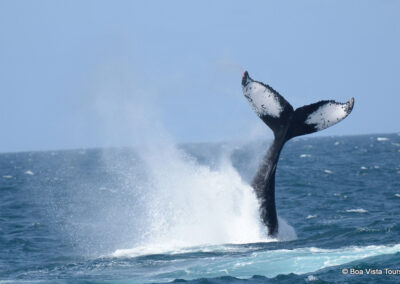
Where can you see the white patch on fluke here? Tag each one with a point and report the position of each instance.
(329, 114)
(262, 100)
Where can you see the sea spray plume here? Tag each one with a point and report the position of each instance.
(178, 199)
(286, 123)
(185, 204)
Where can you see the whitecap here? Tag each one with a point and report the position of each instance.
(284, 261)
(328, 171)
(7, 177)
(278, 261)
(311, 278)
(397, 195)
(305, 155)
(241, 264)
(29, 172)
(364, 168)
(382, 139)
(366, 229)
(357, 210)
(311, 216)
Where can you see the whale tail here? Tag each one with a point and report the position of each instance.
(280, 116)
(286, 123)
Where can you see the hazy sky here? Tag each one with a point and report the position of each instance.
(77, 74)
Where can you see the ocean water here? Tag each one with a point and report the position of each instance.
(187, 214)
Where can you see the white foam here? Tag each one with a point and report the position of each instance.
(262, 100)
(311, 278)
(305, 155)
(364, 168)
(169, 249)
(177, 246)
(328, 171)
(192, 205)
(397, 195)
(29, 172)
(311, 216)
(241, 264)
(358, 210)
(271, 262)
(382, 139)
(7, 177)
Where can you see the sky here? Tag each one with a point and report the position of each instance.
(83, 74)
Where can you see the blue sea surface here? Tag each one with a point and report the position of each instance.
(187, 214)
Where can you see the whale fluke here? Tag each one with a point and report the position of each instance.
(318, 116)
(267, 103)
(286, 123)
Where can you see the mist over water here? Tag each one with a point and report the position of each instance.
(191, 204)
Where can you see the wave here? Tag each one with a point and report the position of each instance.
(247, 261)
(357, 210)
